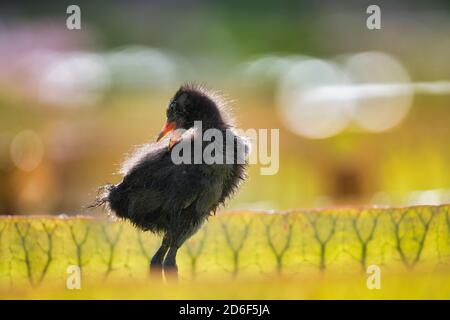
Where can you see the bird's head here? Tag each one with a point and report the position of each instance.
(193, 103)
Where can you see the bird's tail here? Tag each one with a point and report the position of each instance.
(103, 196)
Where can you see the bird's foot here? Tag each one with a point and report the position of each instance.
(156, 271)
(171, 273)
(156, 264)
(170, 265)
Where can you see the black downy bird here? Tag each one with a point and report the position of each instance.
(174, 199)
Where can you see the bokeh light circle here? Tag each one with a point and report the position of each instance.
(75, 79)
(27, 150)
(304, 108)
(381, 90)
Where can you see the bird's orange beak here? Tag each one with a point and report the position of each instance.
(168, 128)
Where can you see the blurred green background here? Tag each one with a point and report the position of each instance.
(363, 114)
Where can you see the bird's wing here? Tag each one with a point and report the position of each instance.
(183, 184)
(208, 200)
(173, 189)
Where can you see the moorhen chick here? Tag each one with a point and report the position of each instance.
(174, 199)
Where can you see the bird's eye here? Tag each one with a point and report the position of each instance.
(172, 105)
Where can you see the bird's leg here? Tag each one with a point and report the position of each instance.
(170, 263)
(156, 262)
(176, 240)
